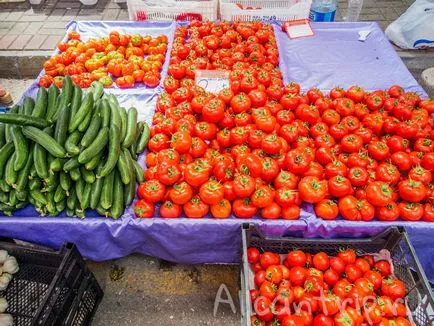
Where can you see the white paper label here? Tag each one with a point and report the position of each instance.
(295, 31)
(212, 80)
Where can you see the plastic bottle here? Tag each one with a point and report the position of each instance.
(353, 11)
(323, 10)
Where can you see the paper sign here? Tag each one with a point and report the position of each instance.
(212, 80)
(363, 35)
(298, 28)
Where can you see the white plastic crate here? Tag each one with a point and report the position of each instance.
(172, 9)
(248, 10)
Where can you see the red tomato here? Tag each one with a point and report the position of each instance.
(312, 189)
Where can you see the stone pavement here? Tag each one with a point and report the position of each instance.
(24, 27)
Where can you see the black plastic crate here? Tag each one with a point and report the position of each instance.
(51, 288)
(419, 298)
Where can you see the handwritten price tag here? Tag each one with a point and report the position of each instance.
(298, 28)
(212, 80)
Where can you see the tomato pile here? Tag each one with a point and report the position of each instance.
(117, 56)
(262, 146)
(303, 289)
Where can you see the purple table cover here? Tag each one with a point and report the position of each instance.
(333, 57)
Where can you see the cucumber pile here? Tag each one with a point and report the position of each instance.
(69, 150)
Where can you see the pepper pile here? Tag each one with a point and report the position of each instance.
(307, 289)
(264, 146)
(117, 56)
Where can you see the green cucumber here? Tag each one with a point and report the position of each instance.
(130, 192)
(51, 180)
(96, 147)
(97, 89)
(131, 128)
(65, 181)
(45, 140)
(86, 196)
(88, 176)
(71, 164)
(53, 94)
(5, 153)
(67, 92)
(38, 196)
(107, 191)
(75, 174)
(92, 164)
(85, 123)
(143, 139)
(132, 150)
(23, 177)
(113, 152)
(28, 105)
(41, 103)
(60, 206)
(49, 188)
(2, 135)
(56, 165)
(71, 143)
(61, 130)
(124, 168)
(71, 201)
(8, 135)
(4, 197)
(117, 207)
(70, 212)
(21, 148)
(105, 113)
(35, 183)
(23, 120)
(11, 175)
(51, 204)
(6, 209)
(23, 203)
(101, 211)
(57, 109)
(13, 200)
(139, 171)
(40, 161)
(85, 107)
(96, 189)
(60, 194)
(124, 122)
(4, 186)
(112, 99)
(33, 172)
(76, 100)
(79, 189)
(31, 200)
(115, 115)
(92, 131)
(21, 109)
(21, 195)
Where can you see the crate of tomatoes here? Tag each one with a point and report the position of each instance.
(342, 282)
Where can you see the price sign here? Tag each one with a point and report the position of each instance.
(212, 80)
(298, 28)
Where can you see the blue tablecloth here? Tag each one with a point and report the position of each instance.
(333, 57)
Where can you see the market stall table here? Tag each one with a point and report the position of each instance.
(334, 55)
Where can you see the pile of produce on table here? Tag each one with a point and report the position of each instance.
(74, 150)
(129, 59)
(314, 289)
(264, 147)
